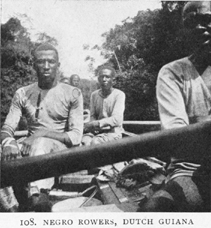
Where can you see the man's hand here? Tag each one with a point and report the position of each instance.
(10, 149)
(26, 145)
(28, 142)
(92, 126)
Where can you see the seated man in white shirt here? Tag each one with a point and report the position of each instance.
(54, 113)
(106, 111)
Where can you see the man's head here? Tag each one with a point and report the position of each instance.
(197, 16)
(65, 80)
(74, 80)
(106, 75)
(46, 64)
(196, 7)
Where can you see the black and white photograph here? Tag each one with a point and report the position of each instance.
(105, 113)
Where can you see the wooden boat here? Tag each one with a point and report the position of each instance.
(141, 139)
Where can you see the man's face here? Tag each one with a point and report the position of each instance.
(75, 81)
(105, 79)
(203, 30)
(46, 65)
(199, 20)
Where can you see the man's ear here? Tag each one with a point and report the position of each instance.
(59, 64)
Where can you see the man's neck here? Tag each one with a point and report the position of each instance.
(106, 92)
(200, 62)
(47, 86)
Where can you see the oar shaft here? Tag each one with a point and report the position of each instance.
(188, 143)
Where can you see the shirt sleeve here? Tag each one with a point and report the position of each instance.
(14, 115)
(75, 120)
(170, 99)
(116, 118)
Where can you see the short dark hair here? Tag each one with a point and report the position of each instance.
(107, 67)
(45, 47)
(72, 76)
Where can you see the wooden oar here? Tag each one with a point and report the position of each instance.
(190, 143)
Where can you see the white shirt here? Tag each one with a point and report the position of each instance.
(108, 110)
(184, 97)
(60, 109)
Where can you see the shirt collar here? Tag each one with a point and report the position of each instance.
(104, 96)
(198, 64)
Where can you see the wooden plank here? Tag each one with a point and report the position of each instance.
(118, 193)
(107, 194)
